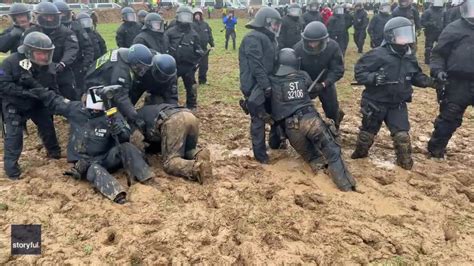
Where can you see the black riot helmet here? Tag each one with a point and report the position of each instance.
(128, 14)
(38, 48)
(405, 3)
(268, 18)
(467, 11)
(48, 15)
(184, 14)
(338, 10)
(139, 58)
(313, 6)
(315, 38)
(85, 20)
(164, 67)
(66, 11)
(154, 22)
(385, 8)
(142, 15)
(294, 10)
(399, 31)
(438, 3)
(287, 62)
(19, 9)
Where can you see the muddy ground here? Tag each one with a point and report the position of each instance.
(249, 213)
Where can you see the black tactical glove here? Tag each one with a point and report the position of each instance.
(267, 92)
(16, 32)
(380, 78)
(39, 92)
(60, 67)
(442, 76)
(116, 126)
(28, 94)
(79, 170)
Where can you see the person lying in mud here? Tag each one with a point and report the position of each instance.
(388, 73)
(174, 130)
(98, 142)
(307, 132)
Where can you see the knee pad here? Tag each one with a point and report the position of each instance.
(401, 137)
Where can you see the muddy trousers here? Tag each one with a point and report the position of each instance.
(125, 156)
(359, 39)
(430, 39)
(179, 137)
(187, 74)
(330, 104)
(459, 95)
(309, 135)
(230, 33)
(15, 123)
(257, 132)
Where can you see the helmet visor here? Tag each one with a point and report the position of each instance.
(86, 23)
(294, 11)
(339, 11)
(140, 69)
(93, 101)
(405, 3)
(66, 16)
(385, 9)
(467, 11)
(315, 47)
(404, 35)
(314, 7)
(22, 19)
(438, 3)
(185, 17)
(49, 21)
(131, 17)
(41, 57)
(157, 26)
(274, 25)
(160, 76)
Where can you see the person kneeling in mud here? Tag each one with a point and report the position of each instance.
(306, 131)
(98, 142)
(175, 131)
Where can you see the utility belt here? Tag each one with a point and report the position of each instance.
(293, 121)
(166, 114)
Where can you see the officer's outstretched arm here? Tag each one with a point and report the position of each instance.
(366, 68)
(58, 104)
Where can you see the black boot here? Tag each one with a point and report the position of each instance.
(402, 144)
(364, 142)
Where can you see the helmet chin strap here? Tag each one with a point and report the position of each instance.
(401, 49)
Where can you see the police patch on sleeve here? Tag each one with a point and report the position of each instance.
(74, 38)
(121, 80)
(25, 64)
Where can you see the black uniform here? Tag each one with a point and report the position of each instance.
(112, 69)
(387, 103)
(332, 60)
(126, 33)
(185, 46)
(375, 29)
(159, 92)
(10, 39)
(152, 40)
(98, 43)
(205, 36)
(306, 131)
(361, 21)
(100, 143)
(338, 31)
(450, 55)
(432, 21)
(310, 16)
(85, 56)
(66, 49)
(451, 15)
(410, 13)
(257, 54)
(18, 107)
(290, 33)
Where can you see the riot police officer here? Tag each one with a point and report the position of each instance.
(312, 13)
(185, 46)
(405, 9)
(98, 43)
(152, 34)
(453, 13)
(337, 28)
(98, 142)
(450, 62)
(306, 131)
(174, 130)
(21, 19)
(257, 54)
(206, 38)
(121, 67)
(377, 23)
(20, 72)
(141, 17)
(160, 82)
(85, 55)
(66, 46)
(388, 73)
(320, 53)
(432, 22)
(129, 28)
(291, 27)
(361, 21)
